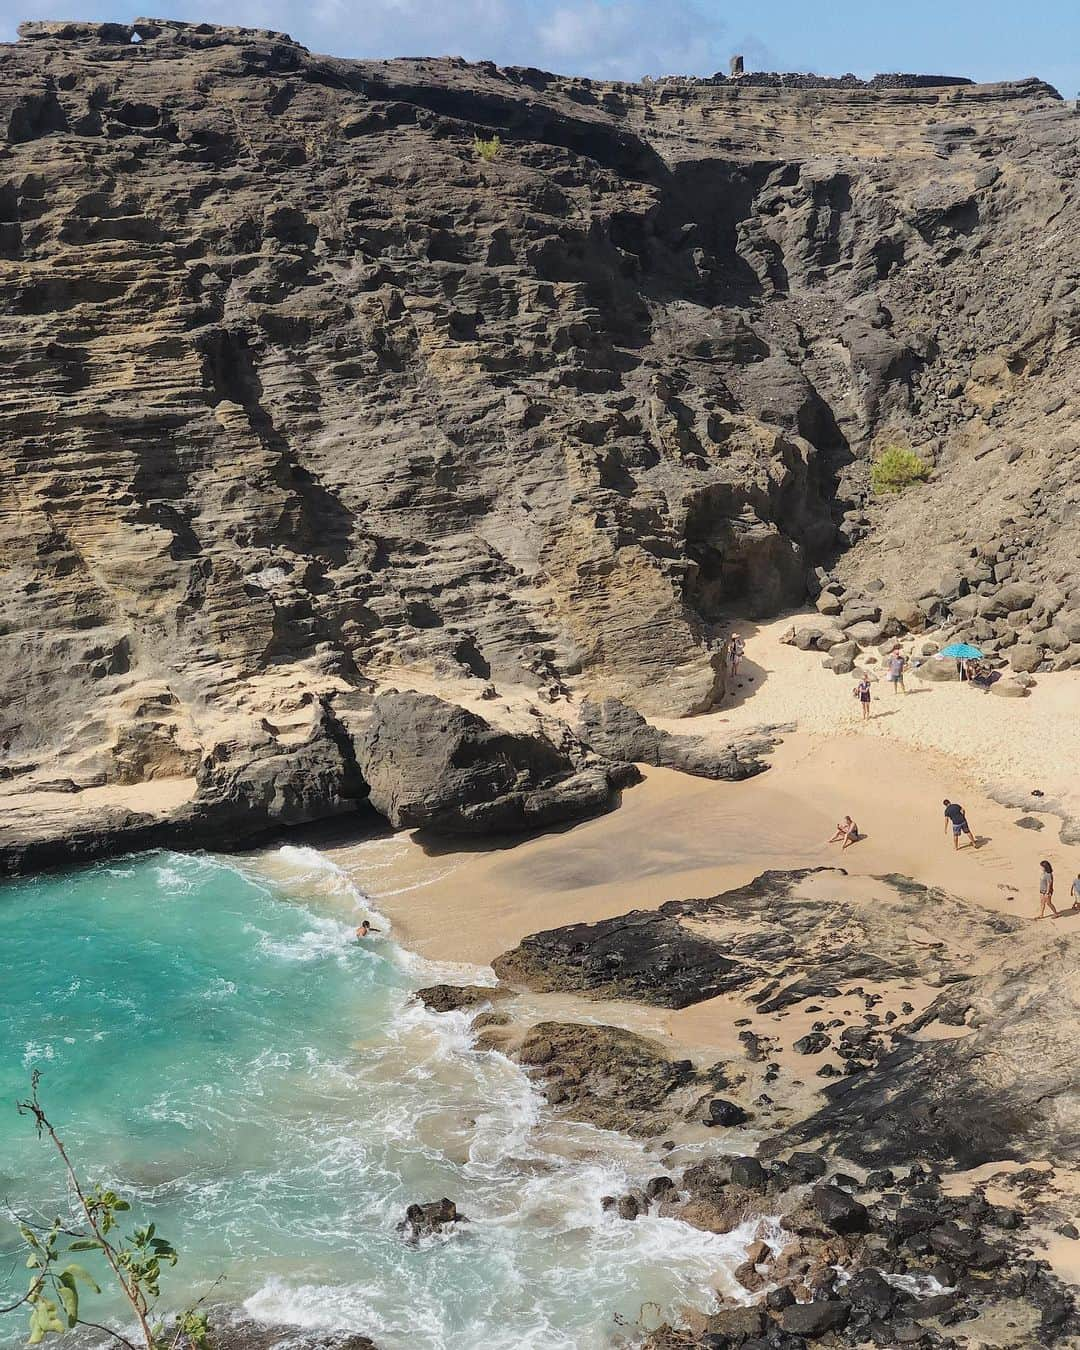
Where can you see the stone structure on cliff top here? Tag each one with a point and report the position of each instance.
(300, 394)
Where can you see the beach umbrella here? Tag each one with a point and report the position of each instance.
(961, 651)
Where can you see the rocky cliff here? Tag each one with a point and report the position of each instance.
(303, 394)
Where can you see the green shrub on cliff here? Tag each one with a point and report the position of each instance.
(487, 150)
(896, 469)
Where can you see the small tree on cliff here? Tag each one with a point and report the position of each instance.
(134, 1262)
(896, 469)
(487, 150)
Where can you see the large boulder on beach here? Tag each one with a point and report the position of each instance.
(434, 765)
(621, 733)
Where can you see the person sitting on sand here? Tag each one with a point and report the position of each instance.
(365, 929)
(954, 816)
(846, 830)
(862, 693)
(1046, 890)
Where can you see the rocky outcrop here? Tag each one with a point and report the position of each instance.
(433, 1219)
(608, 1076)
(432, 765)
(621, 733)
(303, 392)
(977, 1067)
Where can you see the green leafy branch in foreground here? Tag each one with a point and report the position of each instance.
(135, 1261)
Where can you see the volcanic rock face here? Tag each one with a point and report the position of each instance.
(300, 390)
(997, 1079)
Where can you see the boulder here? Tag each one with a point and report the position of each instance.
(866, 634)
(723, 1112)
(426, 1220)
(811, 1320)
(1009, 689)
(1025, 657)
(444, 998)
(828, 604)
(1007, 599)
(840, 1211)
(433, 765)
(620, 733)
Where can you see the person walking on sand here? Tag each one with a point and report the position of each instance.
(1046, 890)
(897, 662)
(862, 693)
(1074, 892)
(954, 816)
(846, 830)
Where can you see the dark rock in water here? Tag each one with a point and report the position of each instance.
(722, 1112)
(840, 1211)
(425, 1220)
(628, 1207)
(238, 1333)
(659, 1188)
(812, 1320)
(621, 733)
(608, 1076)
(442, 998)
(735, 1326)
(433, 765)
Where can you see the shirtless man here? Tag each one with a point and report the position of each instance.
(365, 930)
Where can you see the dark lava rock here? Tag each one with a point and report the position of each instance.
(812, 1320)
(606, 1076)
(807, 1166)
(621, 733)
(870, 1291)
(442, 998)
(749, 1173)
(1030, 823)
(812, 1043)
(964, 1248)
(840, 1211)
(879, 1180)
(735, 1326)
(722, 1112)
(433, 765)
(428, 1219)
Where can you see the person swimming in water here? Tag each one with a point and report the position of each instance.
(365, 929)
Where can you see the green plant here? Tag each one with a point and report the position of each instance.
(487, 150)
(135, 1261)
(895, 469)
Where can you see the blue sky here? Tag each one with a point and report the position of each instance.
(986, 39)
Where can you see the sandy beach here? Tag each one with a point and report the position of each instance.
(676, 837)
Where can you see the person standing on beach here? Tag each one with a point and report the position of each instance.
(897, 662)
(1075, 892)
(862, 693)
(1046, 890)
(738, 647)
(954, 816)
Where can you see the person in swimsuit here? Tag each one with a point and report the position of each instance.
(954, 816)
(897, 662)
(1046, 890)
(862, 693)
(365, 930)
(846, 830)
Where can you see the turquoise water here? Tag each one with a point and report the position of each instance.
(214, 1043)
